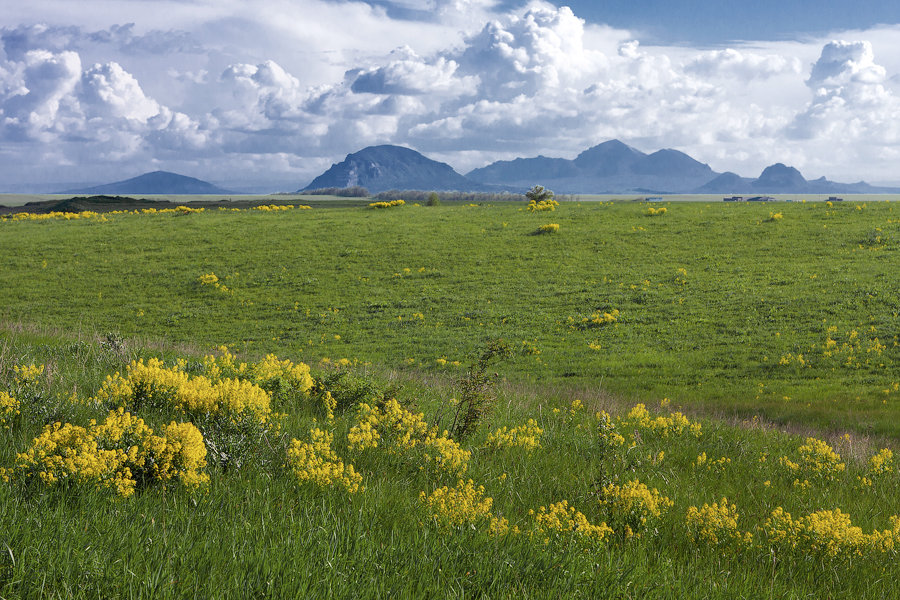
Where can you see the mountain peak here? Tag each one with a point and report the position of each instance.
(385, 167)
(154, 182)
(780, 177)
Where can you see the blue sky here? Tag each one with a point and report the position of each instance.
(723, 21)
(266, 94)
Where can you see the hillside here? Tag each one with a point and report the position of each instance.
(157, 182)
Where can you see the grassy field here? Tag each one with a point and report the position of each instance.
(749, 318)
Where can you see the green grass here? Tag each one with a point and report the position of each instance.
(406, 287)
(258, 532)
(86, 297)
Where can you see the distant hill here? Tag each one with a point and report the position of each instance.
(157, 182)
(612, 166)
(782, 179)
(381, 168)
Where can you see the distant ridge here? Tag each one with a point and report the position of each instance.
(612, 167)
(157, 182)
(382, 168)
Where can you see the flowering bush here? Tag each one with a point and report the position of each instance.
(716, 524)
(526, 436)
(675, 424)
(119, 454)
(633, 509)
(403, 432)
(548, 228)
(561, 518)
(816, 461)
(316, 462)
(462, 505)
(389, 204)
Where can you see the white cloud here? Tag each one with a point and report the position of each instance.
(223, 85)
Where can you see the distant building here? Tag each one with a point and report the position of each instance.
(761, 199)
(653, 199)
(835, 199)
(734, 199)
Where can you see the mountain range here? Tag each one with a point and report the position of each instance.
(611, 167)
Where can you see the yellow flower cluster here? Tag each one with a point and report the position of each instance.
(652, 212)
(817, 460)
(775, 216)
(881, 463)
(526, 436)
(9, 408)
(54, 216)
(715, 524)
(549, 228)
(316, 462)
(116, 455)
(155, 384)
(27, 374)
(402, 431)
(602, 318)
(269, 373)
(675, 424)
(608, 434)
(543, 205)
(464, 504)
(717, 465)
(562, 518)
(387, 204)
(211, 279)
(273, 207)
(828, 532)
(633, 507)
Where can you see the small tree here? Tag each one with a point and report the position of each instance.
(433, 199)
(539, 194)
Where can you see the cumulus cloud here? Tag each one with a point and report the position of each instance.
(850, 101)
(739, 65)
(234, 88)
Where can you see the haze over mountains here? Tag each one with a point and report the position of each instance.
(612, 167)
(157, 182)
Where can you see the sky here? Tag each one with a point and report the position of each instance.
(264, 95)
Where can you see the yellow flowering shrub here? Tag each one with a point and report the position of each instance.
(9, 408)
(675, 424)
(716, 524)
(633, 509)
(828, 533)
(544, 205)
(390, 204)
(118, 454)
(154, 384)
(316, 462)
(27, 374)
(560, 518)
(653, 212)
(601, 318)
(463, 505)
(608, 436)
(526, 436)
(403, 432)
(549, 228)
(816, 461)
(881, 463)
(281, 378)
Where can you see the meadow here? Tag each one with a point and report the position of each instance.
(692, 400)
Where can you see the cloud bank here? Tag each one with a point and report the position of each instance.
(234, 94)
